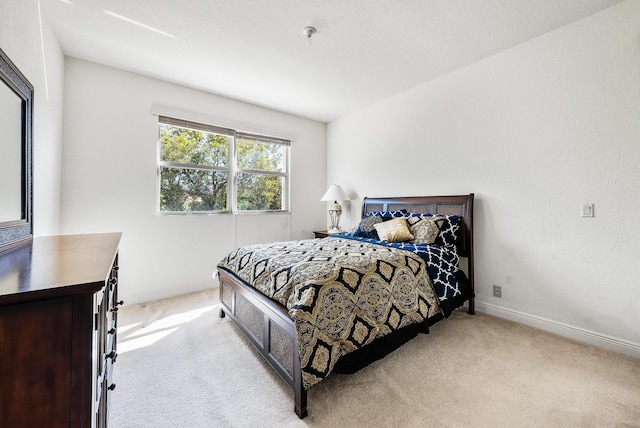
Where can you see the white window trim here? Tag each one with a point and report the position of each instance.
(216, 121)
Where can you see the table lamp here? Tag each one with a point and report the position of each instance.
(335, 194)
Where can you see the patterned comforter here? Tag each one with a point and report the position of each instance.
(341, 293)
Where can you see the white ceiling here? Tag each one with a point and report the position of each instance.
(254, 50)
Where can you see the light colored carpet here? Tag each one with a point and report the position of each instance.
(180, 365)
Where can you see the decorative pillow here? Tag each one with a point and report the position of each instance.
(425, 230)
(448, 230)
(394, 230)
(365, 228)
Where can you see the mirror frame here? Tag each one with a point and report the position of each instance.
(20, 231)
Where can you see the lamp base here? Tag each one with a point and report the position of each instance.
(334, 214)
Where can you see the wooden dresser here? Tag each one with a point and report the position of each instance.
(58, 329)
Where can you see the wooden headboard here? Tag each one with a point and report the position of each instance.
(460, 205)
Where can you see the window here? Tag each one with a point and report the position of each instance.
(208, 169)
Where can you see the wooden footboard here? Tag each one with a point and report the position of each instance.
(268, 326)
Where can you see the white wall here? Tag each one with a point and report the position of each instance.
(35, 51)
(109, 179)
(534, 132)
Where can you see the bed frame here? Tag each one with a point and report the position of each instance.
(267, 324)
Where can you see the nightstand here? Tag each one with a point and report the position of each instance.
(321, 233)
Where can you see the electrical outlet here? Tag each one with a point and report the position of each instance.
(497, 291)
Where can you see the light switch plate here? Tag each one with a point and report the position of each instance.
(587, 210)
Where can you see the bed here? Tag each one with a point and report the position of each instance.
(303, 337)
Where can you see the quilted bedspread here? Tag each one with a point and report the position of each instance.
(340, 293)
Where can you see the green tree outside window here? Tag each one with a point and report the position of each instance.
(196, 166)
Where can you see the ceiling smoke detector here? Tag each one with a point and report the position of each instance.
(308, 32)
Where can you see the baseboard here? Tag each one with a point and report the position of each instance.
(163, 293)
(615, 344)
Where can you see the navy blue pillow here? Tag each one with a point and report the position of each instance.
(365, 228)
(449, 231)
(387, 214)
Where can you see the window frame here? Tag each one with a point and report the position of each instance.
(237, 170)
(231, 169)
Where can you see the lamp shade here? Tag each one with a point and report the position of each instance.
(335, 193)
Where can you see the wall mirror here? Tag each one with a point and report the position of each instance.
(16, 129)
